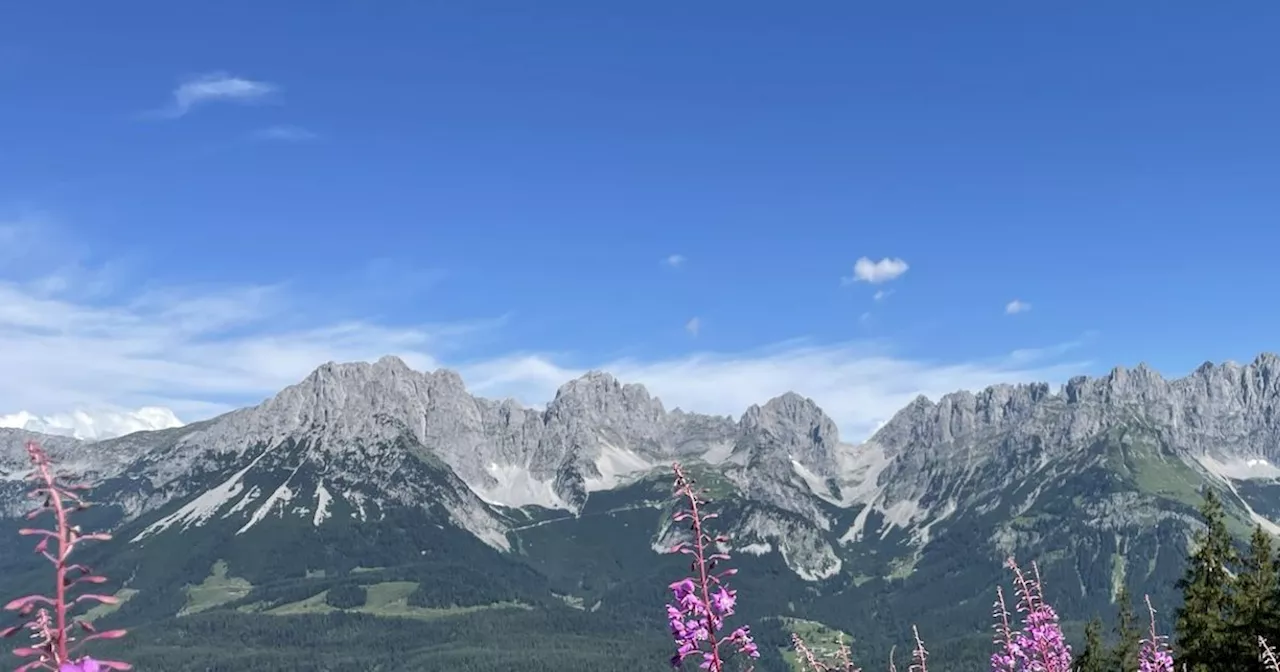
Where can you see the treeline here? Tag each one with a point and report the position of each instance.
(510, 639)
(1122, 655)
(1229, 599)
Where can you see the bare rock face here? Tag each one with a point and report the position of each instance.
(362, 437)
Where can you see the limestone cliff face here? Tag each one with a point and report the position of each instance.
(362, 437)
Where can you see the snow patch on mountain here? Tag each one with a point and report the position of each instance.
(1230, 470)
(204, 507)
(1240, 468)
(279, 498)
(323, 500)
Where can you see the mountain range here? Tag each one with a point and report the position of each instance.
(370, 493)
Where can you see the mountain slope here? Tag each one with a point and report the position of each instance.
(366, 475)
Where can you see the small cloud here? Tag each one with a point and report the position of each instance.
(881, 295)
(284, 133)
(1015, 306)
(876, 272)
(693, 326)
(865, 319)
(674, 261)
(212, 88)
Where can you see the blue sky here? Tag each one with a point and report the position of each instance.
(199, 204)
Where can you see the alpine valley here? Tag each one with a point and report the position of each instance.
(372, 517)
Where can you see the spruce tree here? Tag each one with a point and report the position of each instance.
(1124, 657)
(1094, 656)
(1202, 629)
(1254, 609)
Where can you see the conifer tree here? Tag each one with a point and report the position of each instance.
(1094, 656)
(1124, 657)
(1254, 608)
(1202, 624)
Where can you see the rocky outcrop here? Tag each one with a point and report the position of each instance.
(359, 426)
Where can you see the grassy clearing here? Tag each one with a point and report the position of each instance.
(389, 599)
(217, 589)
(572, 600)
(901, 568)
(124, 595)
(1135, 452)
(823, 640)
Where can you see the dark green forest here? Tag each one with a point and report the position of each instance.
(308, 597)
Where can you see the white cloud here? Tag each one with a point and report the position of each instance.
(876, 272)
(100, 424)
(86, 361)
(860, 385)
(215, 87)
(674, 261)
(284, 133)
(881, 295)
(693, 326)
(1015, 306)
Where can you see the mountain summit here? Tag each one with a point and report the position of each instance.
(378, 465)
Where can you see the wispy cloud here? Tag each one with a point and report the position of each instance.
(876, 272)
(881, 295)
(693, 326)
(284, 133)
(213, 88)
(1015, 306)
(859, 384)
(674, 261)
(204, 350)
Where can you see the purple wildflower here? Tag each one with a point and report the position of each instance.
(703, 601)
(86, 665)
(1154, 656)
(1039, 645)
(47, 616)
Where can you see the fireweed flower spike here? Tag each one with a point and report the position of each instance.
(53, 645)
(1005, 658)
(919, 655)
(1269, 660)
(1155, 656)
(843, 659)
(1039, 645)
(702, 601)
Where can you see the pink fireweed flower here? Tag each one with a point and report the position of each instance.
(702, 601)
(1039, 645)
(86, 665)
(1154, 655)
(47, 617)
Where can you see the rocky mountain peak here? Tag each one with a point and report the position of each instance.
(599, 396)
(788, 412)
(793, 427)
(923, 422)
(1227, 400)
